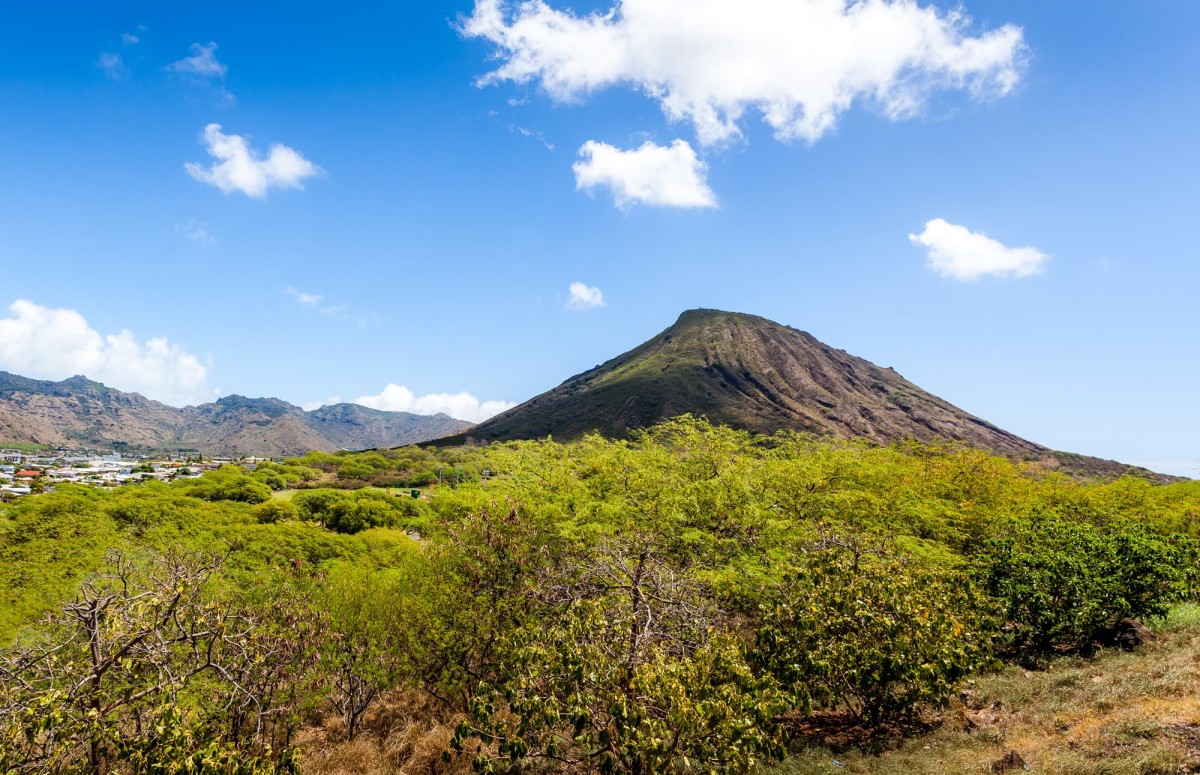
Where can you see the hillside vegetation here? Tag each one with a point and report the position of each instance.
(691, 598)
(754, 374)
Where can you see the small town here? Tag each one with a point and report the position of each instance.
(31, 473)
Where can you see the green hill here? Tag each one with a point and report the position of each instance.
(751, 373)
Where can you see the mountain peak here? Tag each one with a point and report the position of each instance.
(704, 315)
(272, 407)
(748, 372)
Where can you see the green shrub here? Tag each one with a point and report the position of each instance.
(227, 483)
(876, 636)
(314, 505)
(1061, 583)
(631, 673)
(273, 480)
(348, 512)
(275, 510)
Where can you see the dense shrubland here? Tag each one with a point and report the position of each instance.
(653, 605)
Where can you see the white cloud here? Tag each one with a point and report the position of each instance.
(532, 134)
(310, 406)
(239, 168)
(197, 232)
(202, 63)
(667, 176)
(956, 251)
(584, 297)
(46, 343)
(339, 312)
(129, 39)
(800, 63)
(464, 406)
(203, 68)
(113, 66)
(307, 299)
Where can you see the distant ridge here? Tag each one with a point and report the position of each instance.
(80, 412)
(751, 373)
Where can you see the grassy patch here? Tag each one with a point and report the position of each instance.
(1185, 616)
(21, 446)
(1119, 713)
(400, 492)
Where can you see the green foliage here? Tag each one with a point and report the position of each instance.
(471, 595)
(322, 461)
(275, 510)
(178, 747)
(350, 512)
(47, 546)
(315, 505)
(646, 604)
(280, 476)
(629, 676)
(364, 466)
(97, 688)
(227, 483)
(871, 634)
(1061, 582)
(359, 649)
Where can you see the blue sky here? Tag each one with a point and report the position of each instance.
(442, 221)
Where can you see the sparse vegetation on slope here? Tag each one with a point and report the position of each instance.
(751, 373)
(1123, 713)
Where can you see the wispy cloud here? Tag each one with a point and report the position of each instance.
(203, 68)
(114, 66)
(130, 39)
(517, 129)
(237, 167)
(47, 343)
(957, 252)
(665, 176)
(584, 297)
(198, 232)
(202, 63)
(532, 134)
(307, 299)
(464, 406)
(339, 312)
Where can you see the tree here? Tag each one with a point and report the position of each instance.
(275, 510)
(280, 677)
(102, 682)
(475, 589)
(1063, 582)
(359, 651)
(872, 634)
(227, 483)
(628, 672)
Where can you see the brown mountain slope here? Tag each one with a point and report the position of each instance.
(749, 372)
(249, 426)
(351, 426)
(79, 412)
